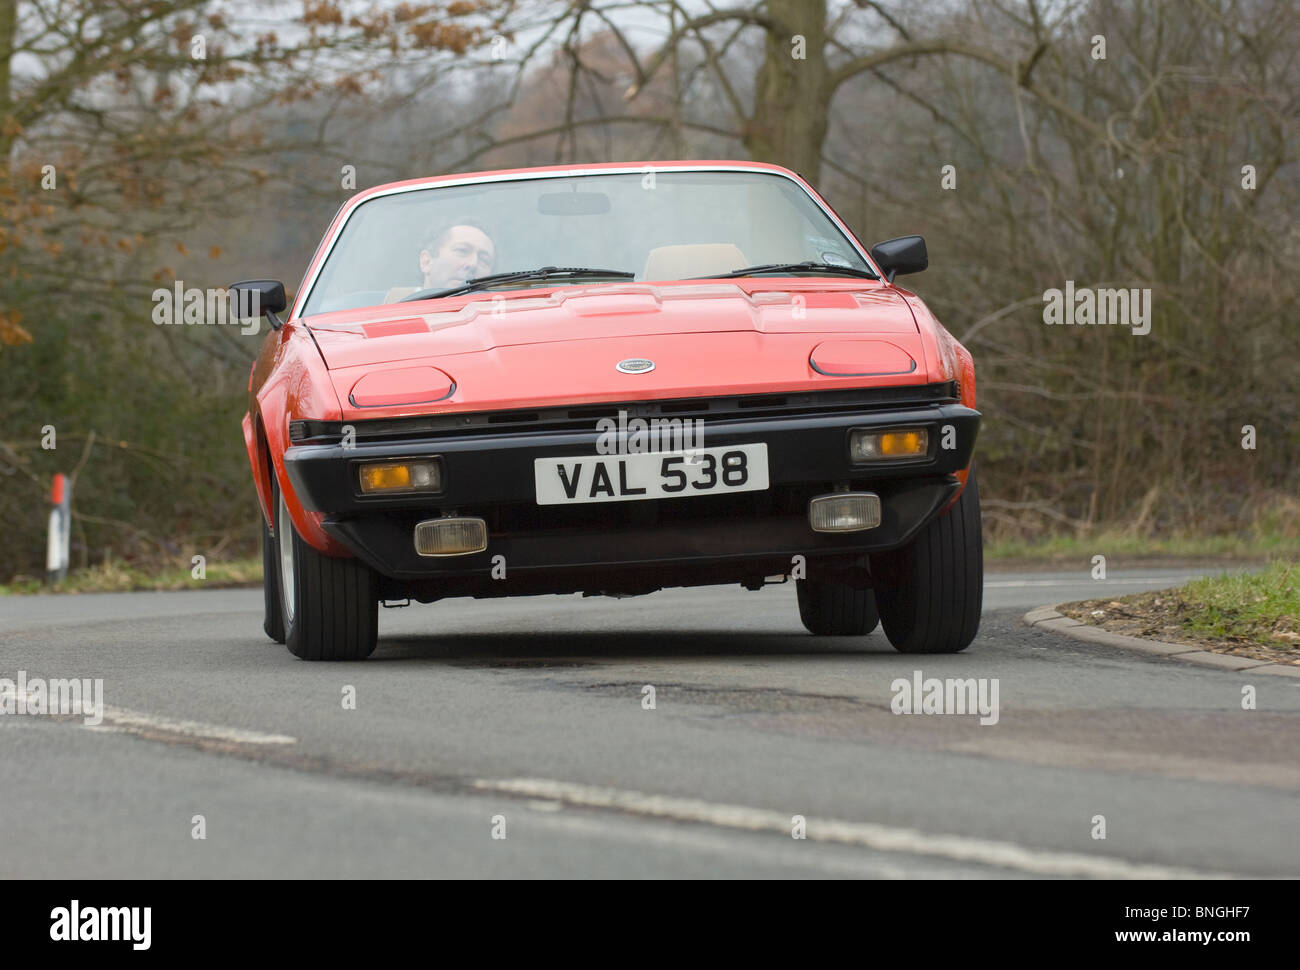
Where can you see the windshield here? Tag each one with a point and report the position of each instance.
(654, 225)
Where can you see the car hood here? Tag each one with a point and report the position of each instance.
(562, 346)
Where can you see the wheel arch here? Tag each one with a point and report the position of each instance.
(271, 440)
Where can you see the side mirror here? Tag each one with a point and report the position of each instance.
(906, 254)
(253, 298)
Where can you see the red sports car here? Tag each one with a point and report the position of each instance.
(611, 379)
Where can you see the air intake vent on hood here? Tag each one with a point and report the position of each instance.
(861, 358)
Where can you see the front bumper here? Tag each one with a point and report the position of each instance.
(489, 473)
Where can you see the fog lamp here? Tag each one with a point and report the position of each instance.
(844, 512)
(450, 536)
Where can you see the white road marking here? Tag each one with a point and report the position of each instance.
(134, 722)
(122, 721)
(673, 837)
(880, 838)
(1010, 583)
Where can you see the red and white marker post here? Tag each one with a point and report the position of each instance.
(56, 550)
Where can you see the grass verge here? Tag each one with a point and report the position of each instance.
(1249, 614)
(119, 577)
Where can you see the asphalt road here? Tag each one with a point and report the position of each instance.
(527, 718)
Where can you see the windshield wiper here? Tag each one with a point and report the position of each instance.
(805, 267)
(543, 273)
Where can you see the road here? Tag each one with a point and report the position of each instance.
(528, 718)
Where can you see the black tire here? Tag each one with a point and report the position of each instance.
(930, 591)
(273, 616)
(836, 610)
(335, 611)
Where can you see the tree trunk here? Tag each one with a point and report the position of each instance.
(791, 100)
(8, 27)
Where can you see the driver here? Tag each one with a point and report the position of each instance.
(455, 252)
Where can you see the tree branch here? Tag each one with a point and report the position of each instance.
(694, 25)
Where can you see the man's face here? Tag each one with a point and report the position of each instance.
(465, 253)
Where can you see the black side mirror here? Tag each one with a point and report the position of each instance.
(906, 254)
(253, 298)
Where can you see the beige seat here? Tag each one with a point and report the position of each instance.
(397, 292)
(697, 259)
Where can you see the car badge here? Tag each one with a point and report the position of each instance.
(636, 365)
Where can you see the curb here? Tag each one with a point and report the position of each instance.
(1048, 618)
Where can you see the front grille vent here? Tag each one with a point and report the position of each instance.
(584, 418)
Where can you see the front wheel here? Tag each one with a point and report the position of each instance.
(835, 609)
(273, 612)
(330, 606)
(930, 591)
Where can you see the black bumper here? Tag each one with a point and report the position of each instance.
(572, 547)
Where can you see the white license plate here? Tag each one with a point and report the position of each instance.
(631, 478)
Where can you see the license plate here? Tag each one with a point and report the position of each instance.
(631, 478)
